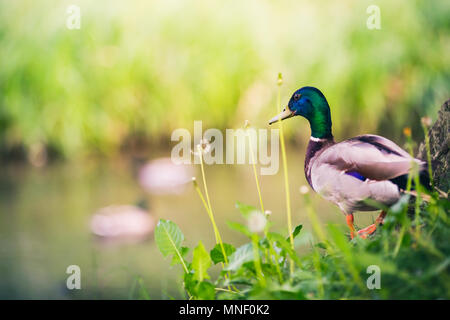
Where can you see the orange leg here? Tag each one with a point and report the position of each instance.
(349, 218)
(363, 233)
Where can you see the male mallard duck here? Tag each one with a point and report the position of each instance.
(349, 172)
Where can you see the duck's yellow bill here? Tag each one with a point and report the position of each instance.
(286, 113)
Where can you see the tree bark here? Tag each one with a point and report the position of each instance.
(439, 148)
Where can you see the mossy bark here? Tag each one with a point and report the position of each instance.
(439, 147)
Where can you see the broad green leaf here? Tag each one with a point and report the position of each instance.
(200, 290)
(245, 209)
(168, 238)
(296, 231)
(205, 291)
(217, 255)
(240, 228)
(200, 262)
(242, 255)
(176, 259)
(190, 283)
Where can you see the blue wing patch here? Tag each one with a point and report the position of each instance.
(356, 175)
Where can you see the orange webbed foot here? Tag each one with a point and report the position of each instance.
(363, 233)
(350, 225)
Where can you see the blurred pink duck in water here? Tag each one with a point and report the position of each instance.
(122, 223)
(162, 176)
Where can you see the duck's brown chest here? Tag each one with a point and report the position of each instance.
(315, 147)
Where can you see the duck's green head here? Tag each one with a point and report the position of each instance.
(311, 104)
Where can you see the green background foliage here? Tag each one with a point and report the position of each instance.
(139, 69)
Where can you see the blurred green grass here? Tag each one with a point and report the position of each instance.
(144, 68)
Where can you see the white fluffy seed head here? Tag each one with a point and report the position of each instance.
(202, 148)
(256, 222)
(304, 189)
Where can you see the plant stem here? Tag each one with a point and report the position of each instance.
(275, 256)
(285, 170)
(418, 200)
(317, 227)
(314, 220)
(316, 263)
(261, 203)
(210, 212)
(211, 216)
(427, 147)
(227, 290)
(257, 261)
(255, 173)
(179, 255)
(404, 212)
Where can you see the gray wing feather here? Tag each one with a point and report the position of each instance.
(349, 193)
(372, 156)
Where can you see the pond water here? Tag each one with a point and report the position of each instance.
(45, 214)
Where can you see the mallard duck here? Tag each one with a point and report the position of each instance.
(122, 224)
(349, 172)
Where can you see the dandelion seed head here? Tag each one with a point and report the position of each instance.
(202, 148)
(257, 222)
(304, 189)
(268, 212)
(194, 182)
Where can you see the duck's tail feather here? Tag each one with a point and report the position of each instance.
(424, 179)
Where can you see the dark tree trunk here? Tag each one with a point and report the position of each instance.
(439, 147)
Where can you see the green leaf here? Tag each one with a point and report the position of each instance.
(296, 231)
(200, 262)
(340, 240)
(245, 209)
(345, 248)
(205, 291)
(201, 290)
(176, 259)
(190, 283)
(217, 255)
(169, 238)
(287, 291)
(321, 245)
(240, 228)
(285, 246)
(242, 255)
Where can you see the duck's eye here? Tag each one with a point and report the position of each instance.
(297, 96)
